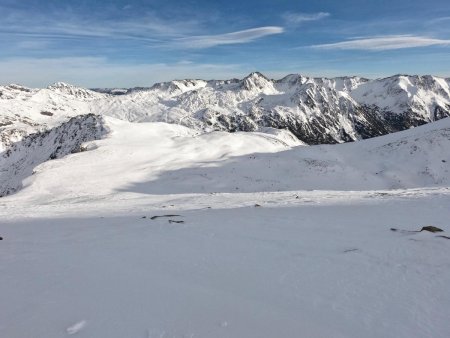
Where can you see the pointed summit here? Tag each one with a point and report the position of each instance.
(256, 81)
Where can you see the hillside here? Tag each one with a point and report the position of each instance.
(158, 158)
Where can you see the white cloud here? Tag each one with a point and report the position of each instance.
(388, 42)
(149, 29)
(99, 72)
(298, 18)
(244, 36)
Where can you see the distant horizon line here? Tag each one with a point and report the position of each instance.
(227, 79)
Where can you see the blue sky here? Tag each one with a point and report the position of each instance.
(137, 43)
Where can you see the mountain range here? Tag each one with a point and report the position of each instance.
(315, 110)
(41, 124)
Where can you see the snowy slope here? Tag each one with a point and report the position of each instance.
(424, 95)
(310, 270)
(136, 152)
(158, 158)
(251, 254)
(19, 158)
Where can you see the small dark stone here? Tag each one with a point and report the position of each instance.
(444, 161)
(1, 238)
(155, 217)
(173, 221)
(431, 228)
(257, 205)
(144, 217)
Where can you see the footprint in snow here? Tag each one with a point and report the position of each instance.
(76, 327)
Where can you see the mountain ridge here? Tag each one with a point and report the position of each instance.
(316, 110)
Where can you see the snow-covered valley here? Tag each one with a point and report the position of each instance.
(258, 234)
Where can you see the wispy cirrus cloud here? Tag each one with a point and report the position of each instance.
(61, 24)
(299, 18)
(150, 29)
(387, 42)
(244, 36)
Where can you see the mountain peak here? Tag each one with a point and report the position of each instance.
(60, 84)
(66, 88)
(255, 81)
(256, 75)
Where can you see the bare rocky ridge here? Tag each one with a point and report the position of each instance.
(19, 158)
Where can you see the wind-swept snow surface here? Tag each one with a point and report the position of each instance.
(307, 270)
(255, 237)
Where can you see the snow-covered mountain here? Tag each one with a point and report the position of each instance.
(315, 110)
(22, 152)
(294, 110)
